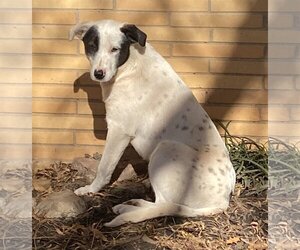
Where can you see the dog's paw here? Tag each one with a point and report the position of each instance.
(118, 221)
(85, 190)
(122, 208)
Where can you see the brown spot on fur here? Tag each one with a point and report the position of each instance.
(204, 120)
(222, 171)
(210, 170)
(219, 160)
(177, 126)
(184, 128)
(201, 128)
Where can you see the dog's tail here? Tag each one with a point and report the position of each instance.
(163, 209)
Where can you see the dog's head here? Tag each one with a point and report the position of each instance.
(107, 45)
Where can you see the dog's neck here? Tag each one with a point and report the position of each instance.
(131, 66)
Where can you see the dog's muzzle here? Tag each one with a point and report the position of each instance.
(99, 74)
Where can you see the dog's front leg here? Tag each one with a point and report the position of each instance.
(116, 143)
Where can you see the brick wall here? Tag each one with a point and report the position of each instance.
(218, 47)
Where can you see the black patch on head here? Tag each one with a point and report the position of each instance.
(124, 52)
(91, 41)
(133, 34)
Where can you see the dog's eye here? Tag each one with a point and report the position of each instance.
(114, 49)
(92, 46)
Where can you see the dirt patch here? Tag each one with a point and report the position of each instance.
(242, 226)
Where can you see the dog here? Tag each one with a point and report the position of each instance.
(149, 106)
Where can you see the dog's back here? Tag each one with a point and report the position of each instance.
(157, 105)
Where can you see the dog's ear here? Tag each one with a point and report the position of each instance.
(134, 34)
(79, 30)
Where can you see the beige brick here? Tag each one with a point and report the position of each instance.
(51, 31)
(251, 129)
(281, 51)
(16, 17)
(284, 129)
(89, 108)
(240, 67)
(238, 35)
(189, 64)
(15, 152)
(274, 114)
(237, 96)
(137, 18)
(15, 90)
(298, 82)
(295, 113)
(284, 36)
(53, 17)
(222, 81)
(73, 4)
(60, 62)
(15, 31)
(15, 4)
(67, 122)
(161, 47)
(52, 137)
(233, 113)
(283, 6)
(54, 46)
(281, 67)
(281, 21)
(54, 76)
(218, 50)
(15, 46)
(163, 5)
(283, 97)
(89, 138)
(15, 106)
(66, 92)
(216, 20)
(63, 153)
(15, 136)
(239, 6)
(15, 61)
(280, 82)
(160, 33)
(15, 76)
(15, 121)
(53, 106)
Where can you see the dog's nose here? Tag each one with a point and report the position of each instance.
(99, 74)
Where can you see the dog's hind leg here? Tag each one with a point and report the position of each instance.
(138, 214)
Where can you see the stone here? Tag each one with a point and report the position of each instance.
(64, 204)
(86, 167)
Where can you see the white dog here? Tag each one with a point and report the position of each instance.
(149, 106)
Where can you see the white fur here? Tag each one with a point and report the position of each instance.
(149, 106)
